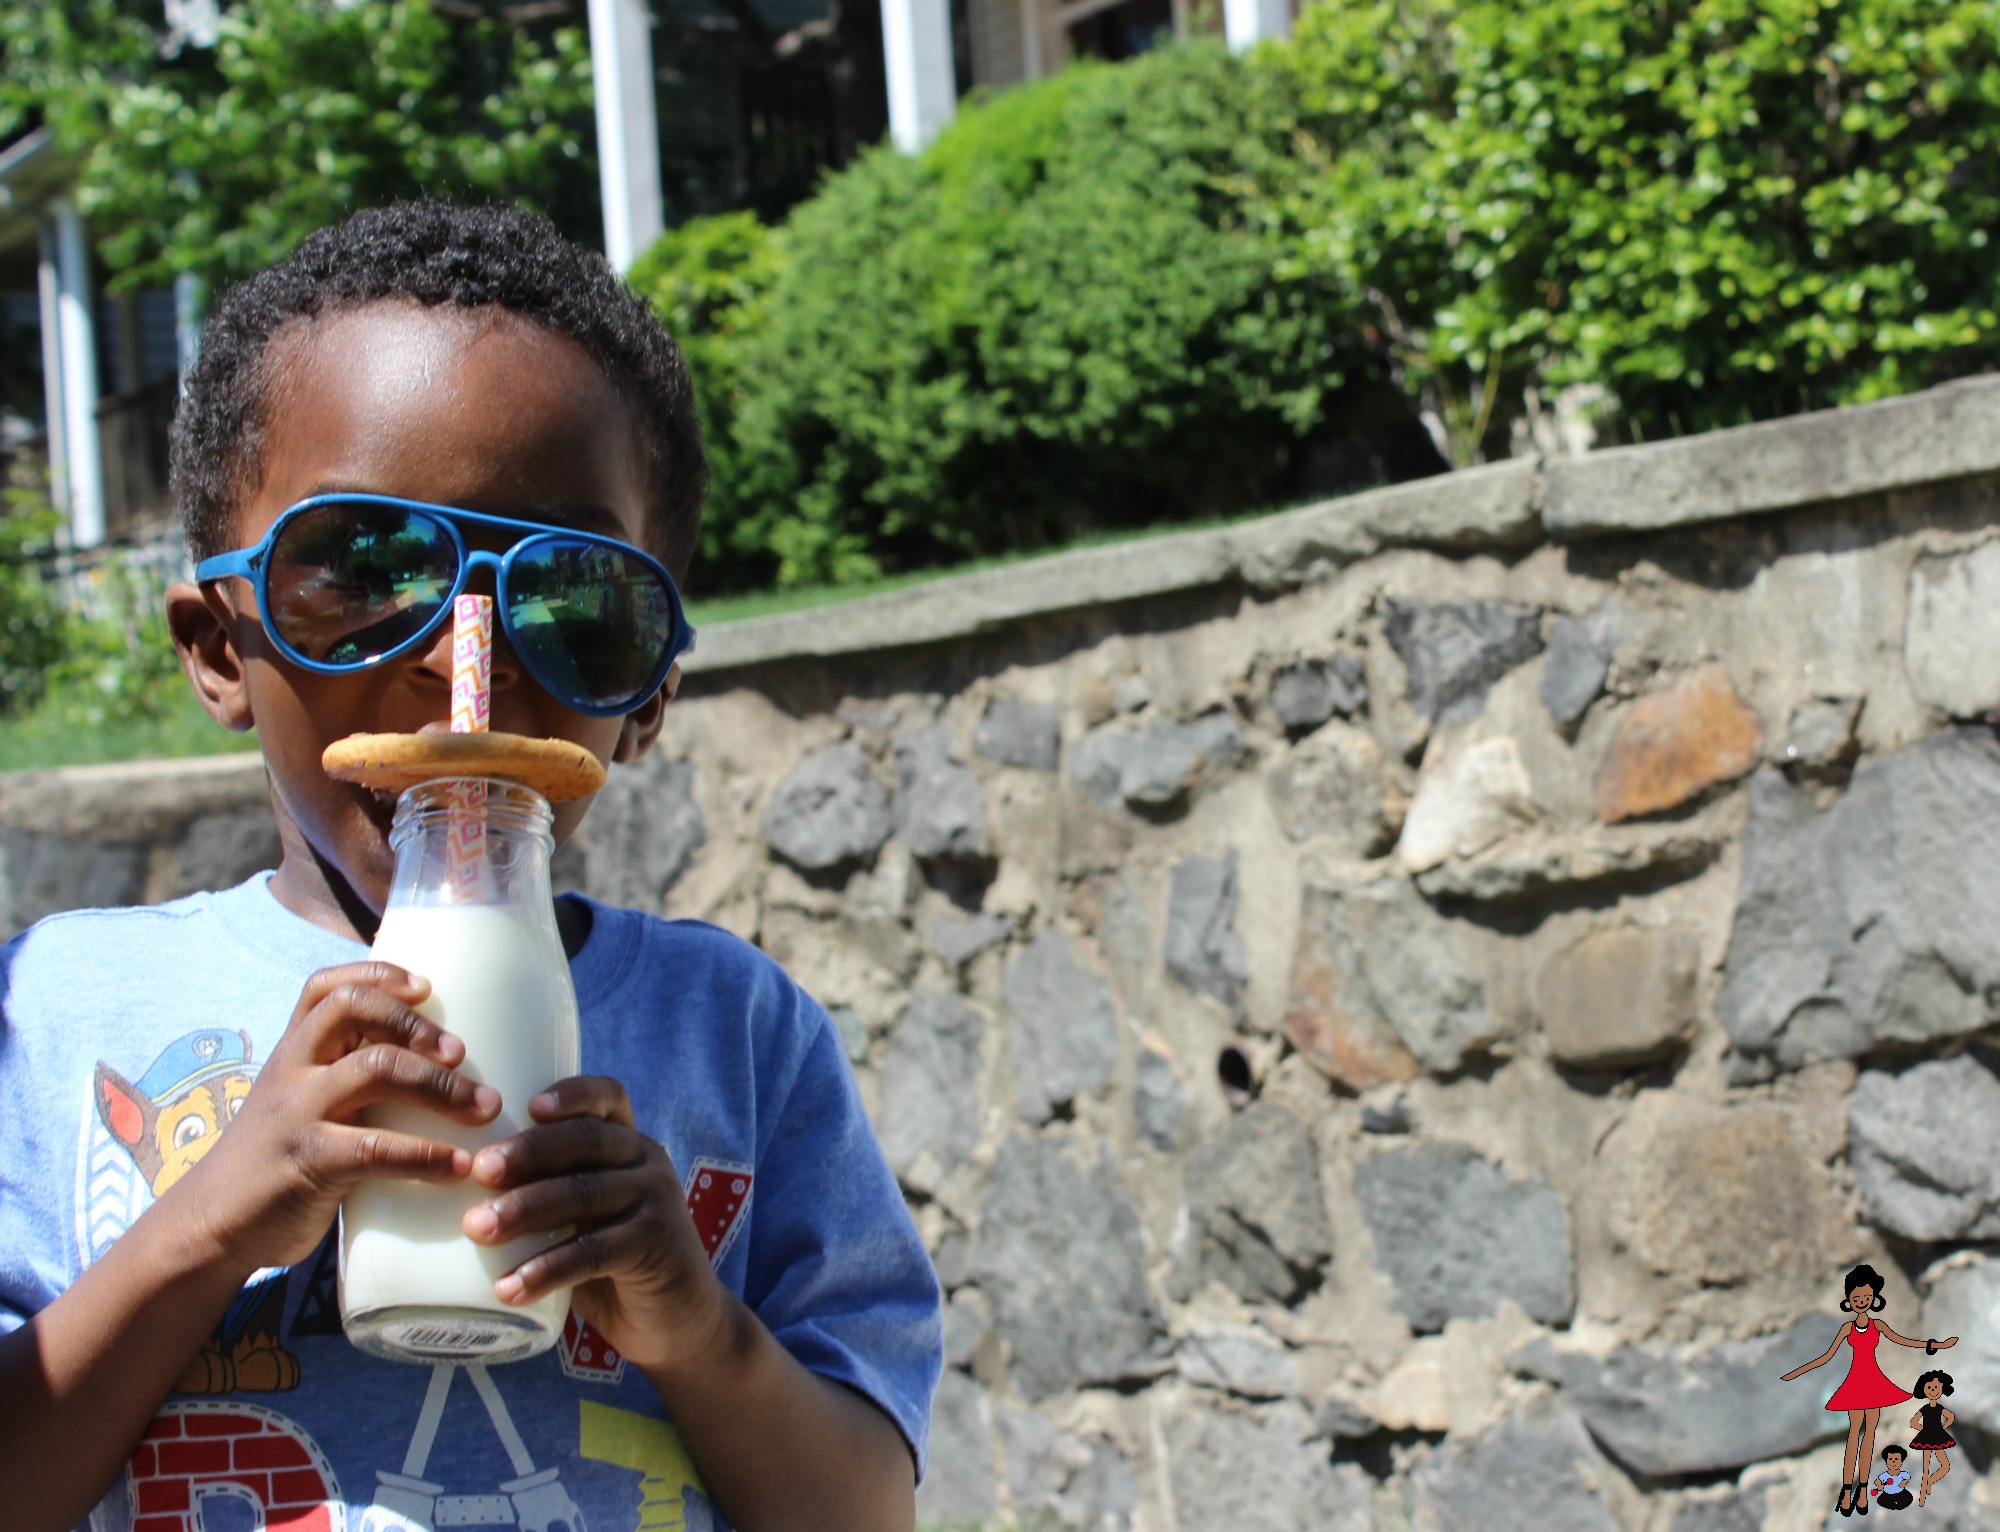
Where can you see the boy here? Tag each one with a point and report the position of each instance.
(182, 1086)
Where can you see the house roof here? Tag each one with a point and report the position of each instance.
(32, 171)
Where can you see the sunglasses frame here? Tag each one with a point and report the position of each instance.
(254, 564)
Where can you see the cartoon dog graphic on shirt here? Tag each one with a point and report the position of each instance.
(167, 1122)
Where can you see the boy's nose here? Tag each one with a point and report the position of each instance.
(435, 659)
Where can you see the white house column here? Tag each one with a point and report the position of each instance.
(76, 327)
(1246, 22)
(628, 141)
(49, 281)
(916, 53)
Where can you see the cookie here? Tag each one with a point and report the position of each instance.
(555, 768)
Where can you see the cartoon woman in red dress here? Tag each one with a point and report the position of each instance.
(1866, 1389)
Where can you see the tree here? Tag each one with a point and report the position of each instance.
(217, 161)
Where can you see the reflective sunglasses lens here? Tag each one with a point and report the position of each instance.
(349, 582)
(593, 621)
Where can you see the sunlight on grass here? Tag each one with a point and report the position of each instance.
(58, 733)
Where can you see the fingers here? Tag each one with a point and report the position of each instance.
(561, 1148)
(584, 1096)
(560, 1202)
(344, 1008)
(346, 1155)
(605, 1250)
(384, 1072)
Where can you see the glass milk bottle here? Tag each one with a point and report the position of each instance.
(471, 910)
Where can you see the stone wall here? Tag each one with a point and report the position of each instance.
(1395, 1015)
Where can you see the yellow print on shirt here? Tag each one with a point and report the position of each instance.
(670, 1487)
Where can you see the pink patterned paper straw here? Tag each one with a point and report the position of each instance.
(466, 869)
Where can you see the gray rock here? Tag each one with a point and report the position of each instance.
(1063, 1479)
(1401, 965)
(853, 1032)
(1065, 1031)
(1063, 1259)
(1734, 1510)
(1017, 733)
(1962, 1298)
(930, 1088)
(960, 941)
(952, 1259)
(1455, 651)
(643, 830)
(1536, 1471)
(220, 851)
(1342, 1417)
(1803, 460)
(1925, 1145)
(1467, 799)
(1155, 766)
(1720, 1408)
(1391, 1119)
(1255, 1219)
(1307, 693)
(1620, 997)
(960, 1488)
(1131, 694)
(1951, 637)
(1599, 861)
(1960, 1503)
(829, 811)
(1202, 948)
(1456, 1235)
(1259, 1473)
(967, 1318)
(1819, 736)
(48, 873)
(940, 804)
(1334, 786)
(1877, 920)
(1579, 659)
(1767, 1202)
(1241, 1359)
(1158, 1100)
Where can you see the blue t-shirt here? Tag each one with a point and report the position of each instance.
(115, 1021)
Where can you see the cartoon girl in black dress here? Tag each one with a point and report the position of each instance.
(1935, 1419)
(1866, 1389)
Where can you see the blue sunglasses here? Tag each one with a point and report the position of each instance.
(346, 582)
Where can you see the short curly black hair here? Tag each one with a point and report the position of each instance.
(434, 253)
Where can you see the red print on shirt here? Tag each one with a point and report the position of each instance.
(717, 1194)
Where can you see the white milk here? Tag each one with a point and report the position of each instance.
(413, 1286)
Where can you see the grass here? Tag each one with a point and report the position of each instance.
(61, 731)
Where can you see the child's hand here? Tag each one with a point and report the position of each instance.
(269, 1187)
(637, 1265)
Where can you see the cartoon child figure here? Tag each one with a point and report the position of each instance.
(1892, 1484)
(1934, 1418)
(1866, 1389)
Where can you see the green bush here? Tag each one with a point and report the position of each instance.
(708, 279)
(32, 627)
(1724, 210)
(1065, 313)
(217, 161)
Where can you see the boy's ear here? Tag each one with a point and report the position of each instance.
(642, 725)
(203, 626)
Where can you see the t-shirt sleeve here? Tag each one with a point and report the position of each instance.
(836, 1269)
(32, 1257)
